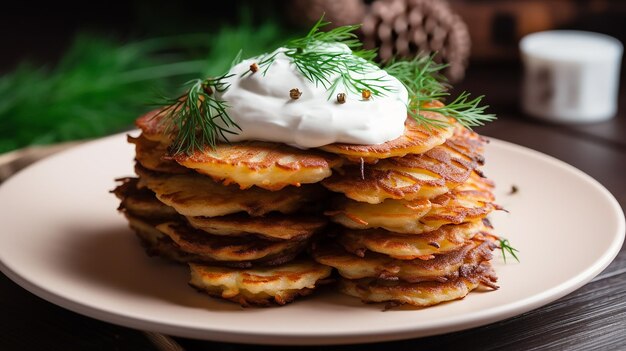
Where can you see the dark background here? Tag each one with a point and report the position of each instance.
(39, 32)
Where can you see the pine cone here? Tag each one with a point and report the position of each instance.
(405, 28)
(339, 13)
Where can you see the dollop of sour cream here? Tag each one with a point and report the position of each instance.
(261, 105)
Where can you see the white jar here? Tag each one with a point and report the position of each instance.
(570, 76)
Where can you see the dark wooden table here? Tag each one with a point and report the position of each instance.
(591, 318)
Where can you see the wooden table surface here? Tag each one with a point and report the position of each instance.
(591, 318)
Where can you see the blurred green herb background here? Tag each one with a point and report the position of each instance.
(100, 85)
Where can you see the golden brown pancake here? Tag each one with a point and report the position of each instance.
(231, 249)
(392, 215)
(158, 244)
(261, 286)
(271, 227)
(141, 202)
(150, 154)
(470, 201)
(426, 175)
(270, 166)
(419, 294)
(143, 212)
(193, 194)
(152, 128)
(408, 247)
(373, 265)
(416, 139)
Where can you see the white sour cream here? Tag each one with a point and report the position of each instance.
(260, 104)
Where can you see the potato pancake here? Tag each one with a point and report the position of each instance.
(141, 202)
(156, 243)
(196, 195)
(151, 155)
(270, 227)
(374, 265)
(408, 247)
(416, 139)
(231, 249)
(426, 175)
(419, 294)
(270, 166)
(152, 128)
(468, 202)
(261, 286)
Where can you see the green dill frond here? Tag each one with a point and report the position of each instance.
(424, 82)
(368, 55)
(376, 85)
(198, 119)
(343, 34)
(237, 59)
(506, 247)
(415, 113)
(469, 113)
(332, 69)
(421, 76)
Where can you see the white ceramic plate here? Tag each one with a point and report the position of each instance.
(63, 240)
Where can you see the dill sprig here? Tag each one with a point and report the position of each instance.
(198, 118)
(422, 78)
(332, 67)
(467, 112)
(506, 247)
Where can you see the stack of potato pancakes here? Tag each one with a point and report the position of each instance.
(262, 223)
